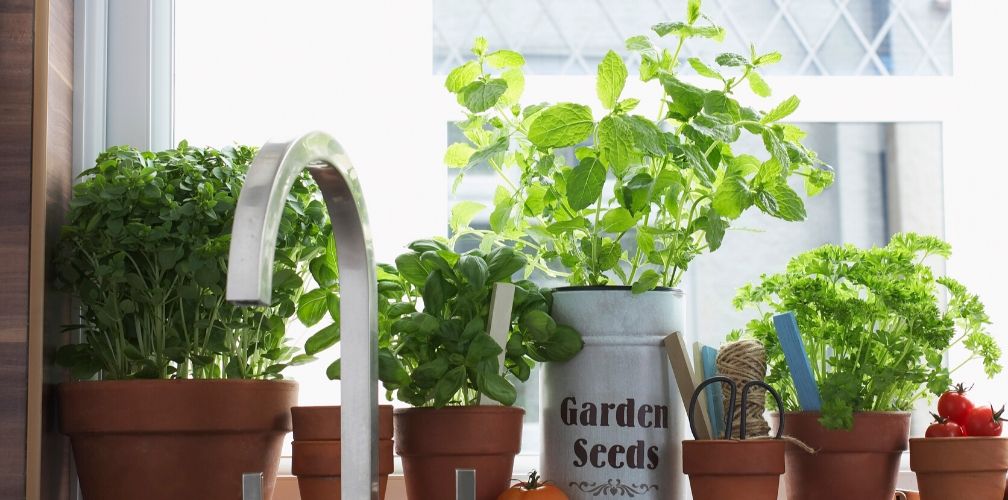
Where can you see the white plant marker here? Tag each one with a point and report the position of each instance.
(499, 323)
(686, 381)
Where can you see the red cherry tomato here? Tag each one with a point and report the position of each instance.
(943, 428)
(984, 421)
(954, 405)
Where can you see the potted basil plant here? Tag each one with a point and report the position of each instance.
(191, 394)
(876, 332)
(435, 354)
(618, 204)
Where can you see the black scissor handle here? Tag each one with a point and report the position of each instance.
(745, 400)
(729, 418)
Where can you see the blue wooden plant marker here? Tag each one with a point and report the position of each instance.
(715, 398)
(798, 361)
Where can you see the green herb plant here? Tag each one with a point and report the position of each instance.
(433, 312)
(873, 325)
(643, 196)
(145, 250)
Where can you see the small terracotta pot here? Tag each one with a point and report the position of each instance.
(322, 423)
(861, 463)
(317, 467)
(726, 470)
(965, 467)
(171, 439)
(435, 442)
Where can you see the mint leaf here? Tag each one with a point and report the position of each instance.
(584, 183)
(714, 230)
(618, 220)
(717, 127)
(480, 96)
(501, 215)
(515, 80)
(766, 59)
(776, 148)
(479, 46)
(685, 30)
(461, 76)
(615, 136)
(486, 152)
(780, 201)
(782, 110)
(731, 59)
(704, 70)
(561, 125)
(462, 214)
(647, 281)
(505, 59)
(692, 11)
(687, 100)
(646, 135)
(627, 105)
(759, 85)
(612, 75)
(458, 154)
(731, 197)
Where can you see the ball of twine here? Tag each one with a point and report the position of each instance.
(744, 361)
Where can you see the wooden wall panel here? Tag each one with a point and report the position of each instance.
(36, 117)
(48, 468)
(16, 85)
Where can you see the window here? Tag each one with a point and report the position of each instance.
(895, 94)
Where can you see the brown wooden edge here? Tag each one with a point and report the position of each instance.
(36, 272)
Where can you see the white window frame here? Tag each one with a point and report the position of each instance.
(967, 105)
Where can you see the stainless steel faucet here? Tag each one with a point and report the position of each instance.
(250, 276)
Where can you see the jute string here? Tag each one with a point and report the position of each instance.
(744, 361)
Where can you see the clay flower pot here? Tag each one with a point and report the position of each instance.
(963, 467)
(171, 439)
(434, 442)
(861, 463)
(317, 460)
(726, 470)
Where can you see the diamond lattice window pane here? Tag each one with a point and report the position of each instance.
(816, 37)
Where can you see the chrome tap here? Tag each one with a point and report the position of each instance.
(250, 275)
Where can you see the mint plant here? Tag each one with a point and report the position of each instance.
(643, 196)
(873, 325)
(145, 251)
(433, 312)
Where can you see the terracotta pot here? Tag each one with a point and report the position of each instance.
(726, 470)
(317, 467)
(316, 461)
(861, 463)
(171, 439)
(435, 442)
(968, 467)
(322, 423)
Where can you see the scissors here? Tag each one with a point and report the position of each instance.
(730, 411)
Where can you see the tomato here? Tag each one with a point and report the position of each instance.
(943, 428)
(954, 405)
(984, 421)
(533, 489)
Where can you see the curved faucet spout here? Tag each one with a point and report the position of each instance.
(250, 276)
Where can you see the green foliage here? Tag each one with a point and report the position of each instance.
(145, 251)
(642, 198)
(433, 311)
(872, 323)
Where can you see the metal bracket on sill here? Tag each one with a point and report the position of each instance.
(465, 484)
(252, 486)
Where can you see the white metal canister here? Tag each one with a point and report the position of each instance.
(611, 417)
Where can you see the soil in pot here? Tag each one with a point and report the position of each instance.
(433, 443)
(961, 467)
(171, 439)
(317, 459)
(734, 470)
(861, 463)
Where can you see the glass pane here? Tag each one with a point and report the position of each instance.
(817, 37)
